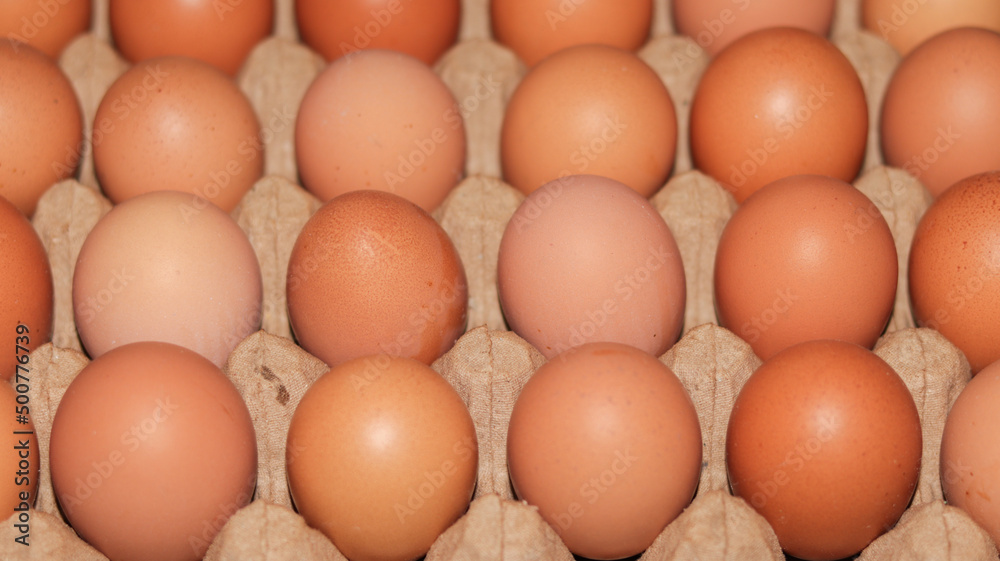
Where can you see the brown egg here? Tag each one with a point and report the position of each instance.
(605, 441)
(776, 103)
(21, 457)
(219, 32)
(372, 273)
(25, 289)
(954, 269)
(905, 25)
(42, 125)
(587, 259)
(382, 457)
(47, 25)
(534, 29)
(806, 257)
(177, 124)
(970, 451)
(156, 268)
(589, 109)
(380, 120)
(423, 29)
(941, 112)
(714, 24)
(152, 451)
(824, 441)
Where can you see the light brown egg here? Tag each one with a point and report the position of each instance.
(806, 257)
(380, 120)
(605, 441)
(941, 112)
(219, 32)
(42, 125)
(714, 24)
(775, 103)
(824, 442)
(372, 273)
(25, 289)
(423, 29)
(21, 458)
(586, 259)
(905, 25)
(47, 25)
(534, 29)
(152, 451)
(589, 109)
(177, 124)
(970, 451)
(954, 269)
(158, 268)
(382, 457)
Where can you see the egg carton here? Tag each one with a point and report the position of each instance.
(489, 365)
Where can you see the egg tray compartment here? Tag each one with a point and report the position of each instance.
(489, 365)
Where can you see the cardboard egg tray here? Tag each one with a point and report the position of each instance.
(489, 365)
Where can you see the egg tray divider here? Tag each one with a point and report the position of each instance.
(489, 365)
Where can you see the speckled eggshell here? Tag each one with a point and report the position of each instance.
(380, 120)
(824, 441)
(156, 268)
(589, 109)
(382, 457)
(372, 273)
(714, 24)
(954, 271)
(42, 125)
(806, 257)
(775, 103)
(177, 124)
(605, 441)
(587, 259)
(26, 296)
(152, 450)
(970, 451)
(941, 112)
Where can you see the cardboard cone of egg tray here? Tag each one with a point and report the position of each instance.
(488, 366)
